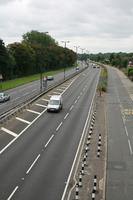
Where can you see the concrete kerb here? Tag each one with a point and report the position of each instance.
(29, 102)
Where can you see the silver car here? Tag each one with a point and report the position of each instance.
(4, 97)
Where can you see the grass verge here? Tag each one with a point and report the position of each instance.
(21, 81)
(102, 86)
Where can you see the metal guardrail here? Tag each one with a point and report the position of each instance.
(13, 111)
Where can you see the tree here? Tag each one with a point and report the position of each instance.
(24, 57)
(38, 38)
(6, 63)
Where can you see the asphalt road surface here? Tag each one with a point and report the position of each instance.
(37, 148)
(120, 140)
(27, 91)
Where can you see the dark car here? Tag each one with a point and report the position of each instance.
(4, 97)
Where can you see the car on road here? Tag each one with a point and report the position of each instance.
(77, 68)
(50, 78)
(4, 97)
(55, 103)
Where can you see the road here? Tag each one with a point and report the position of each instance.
(27, 91)
(37, 148)
(120, 140)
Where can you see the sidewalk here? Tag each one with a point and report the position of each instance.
(128, 84)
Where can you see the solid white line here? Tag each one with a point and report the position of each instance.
(23, 120)
(9, 132)
(71, 107)
(37, 104)
(12, 193)
(130, 147)
(33, 164)
(59, 126)
(32, 111)
(49, 141)
(66, 115)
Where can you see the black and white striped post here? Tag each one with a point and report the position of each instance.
(82, 169)
(80, 179)
(77, 192)
(94, 187)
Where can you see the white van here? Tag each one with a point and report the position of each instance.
(55, 103)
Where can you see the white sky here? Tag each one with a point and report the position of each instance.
(96, 25)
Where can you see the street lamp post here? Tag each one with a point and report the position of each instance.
(41, 73)
(65, 42)
(82, 54)
(77, 54)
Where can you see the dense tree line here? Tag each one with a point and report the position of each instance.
(119, 60)
(36, 53)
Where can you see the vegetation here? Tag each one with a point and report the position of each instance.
(102, 86)
(37, 53)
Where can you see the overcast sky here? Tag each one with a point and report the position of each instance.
(96, 25)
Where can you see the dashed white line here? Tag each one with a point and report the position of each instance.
(126, 130)
(23, 120)
(60, 89)
(25, 94)
(33, 111)
(9, 132)
(78, 97)
(49, 140)
(76, 101)
(57, 93)
(33, 164)
(66, 115)
(11, 195)
(71, 107)
(130, 147)
(59, 126)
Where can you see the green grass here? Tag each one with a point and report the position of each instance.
(21, 81)
(102, 86)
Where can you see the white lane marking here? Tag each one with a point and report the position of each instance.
(56, 93)
(22, 132)
(34, 90)
(79, 146)
(66, 115)
(9, 132)
(69, 85)
(71, 107)
(49, 140)
(81, 93)
(25, 94)
(78, 97)
(38, 104)
(45, 100)
(33, 164)
(32, 111)
(126, 130)
(60, 89)
(59, 126)
(76, 101)
(130, 147)
(13, 192)
(23, 120)
(15, 98)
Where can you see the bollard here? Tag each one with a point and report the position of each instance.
(80, 179)
(77, 192)
(84, 160)
(82, 169)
